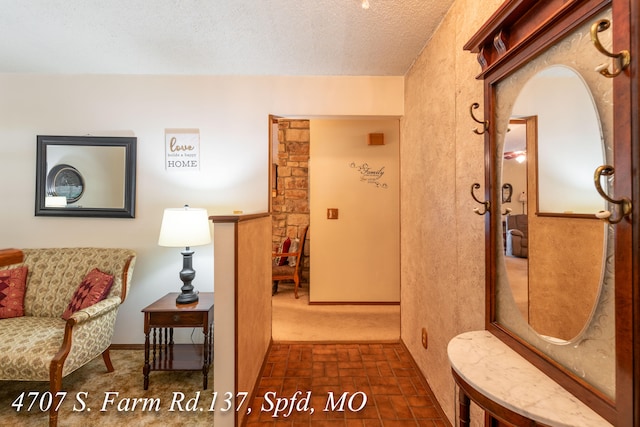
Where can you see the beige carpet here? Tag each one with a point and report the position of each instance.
(296, 320)
(94, 380)
(518, 274)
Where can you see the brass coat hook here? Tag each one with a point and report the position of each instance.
(625, 203)
(623, 57)
(486, 204)
(485, 123)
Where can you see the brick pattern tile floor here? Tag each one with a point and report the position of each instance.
(396, 393)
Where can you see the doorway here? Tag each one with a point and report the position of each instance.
(289, 141)
(347, 189)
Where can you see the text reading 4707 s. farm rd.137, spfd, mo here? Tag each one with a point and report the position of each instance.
(278, 406)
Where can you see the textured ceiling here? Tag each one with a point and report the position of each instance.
(215, 37)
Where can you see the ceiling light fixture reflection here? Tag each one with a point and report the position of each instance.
(365, 4)
(519, 155)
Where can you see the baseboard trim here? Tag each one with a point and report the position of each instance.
(354, 302)
(338, 342)
(426, 385)
(126, 347)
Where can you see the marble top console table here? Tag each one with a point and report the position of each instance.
(509, 388)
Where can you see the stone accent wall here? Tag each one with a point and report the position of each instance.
(291, 202)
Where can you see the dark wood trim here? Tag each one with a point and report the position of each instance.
(631, 404)
(273, 119)
(498, 412)
(490, 177)
(107, 360)
(125, 274)
(10, 256)
(55, 370)
(564, 215)
(506, 14)
(219, 219)
(526, 28)
(626, 183)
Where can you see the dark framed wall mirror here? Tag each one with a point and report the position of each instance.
(507, 191)
(85, 176)
(575, 319)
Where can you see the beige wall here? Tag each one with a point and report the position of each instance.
(231, 114)
(566, 262)
(442, 266)
(355, 257)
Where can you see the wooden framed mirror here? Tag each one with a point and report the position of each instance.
(572, 254)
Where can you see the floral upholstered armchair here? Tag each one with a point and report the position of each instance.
(68, 312)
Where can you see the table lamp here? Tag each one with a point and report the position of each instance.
(522, 199)
(185, 227)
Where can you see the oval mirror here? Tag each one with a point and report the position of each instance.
(553, 244)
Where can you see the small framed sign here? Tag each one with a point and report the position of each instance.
(182, 149)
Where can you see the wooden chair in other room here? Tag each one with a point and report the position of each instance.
(286, 271)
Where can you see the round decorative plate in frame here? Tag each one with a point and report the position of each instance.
(65, 180)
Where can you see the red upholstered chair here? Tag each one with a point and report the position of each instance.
(286, 271)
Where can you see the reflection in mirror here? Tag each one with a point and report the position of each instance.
(515, 227)
(569, 143)
(515, 163)
(553, 144)
(102, 167)
(86, 176)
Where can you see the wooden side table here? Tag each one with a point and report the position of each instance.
(159, 320)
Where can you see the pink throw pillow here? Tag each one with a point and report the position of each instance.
(12, 287)
(94, 288)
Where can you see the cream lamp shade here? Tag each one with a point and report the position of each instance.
(523, 197)
(184, 227)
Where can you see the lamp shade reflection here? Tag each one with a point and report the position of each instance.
(55, 201)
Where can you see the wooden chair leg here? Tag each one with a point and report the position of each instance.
(296, 282)
(107, 360)
(55, 385)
